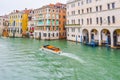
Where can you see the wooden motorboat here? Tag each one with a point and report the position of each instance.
(51, 48)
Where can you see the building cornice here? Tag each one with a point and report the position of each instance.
(72, 1)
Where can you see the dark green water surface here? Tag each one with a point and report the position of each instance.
(21, 59)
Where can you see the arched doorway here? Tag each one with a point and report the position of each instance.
(85, 36)
(116, 37)
(94, 35)
(106, 36)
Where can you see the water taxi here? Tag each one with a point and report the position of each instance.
(51, 48)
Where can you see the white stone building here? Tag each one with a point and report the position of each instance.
(97, 20)
(3, 23)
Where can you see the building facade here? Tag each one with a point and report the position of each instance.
(94, 20)
(47, 21)
(18, 23)
(62, 20)
(15, 23)
(25, 22)
(4, 25)
(31, 23)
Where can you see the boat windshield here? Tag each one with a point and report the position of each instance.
(46, 45)
(51, 47)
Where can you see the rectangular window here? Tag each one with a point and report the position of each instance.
(68, 13)
(97, 20)
(87, 21)
(78, 21)
(78, 3)
(82, 11)
(113, 19)
(68, 21)
(78, 29)
(64, 17)
(78, 11)
(73, 29)
(100, 7)
(96, 8)
(68, 29)
(108, 5)
(74, 12)
(90, 20)
(87, 10)
(74, 21)
(82, 21)
(90, 9)
(82, 2)
(100, 20)
(108, 19)
(113, 5)
(87, 1)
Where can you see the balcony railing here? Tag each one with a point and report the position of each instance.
(73, 25)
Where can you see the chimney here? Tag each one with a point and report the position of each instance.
(25, 8)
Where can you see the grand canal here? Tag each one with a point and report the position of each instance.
(20, 59)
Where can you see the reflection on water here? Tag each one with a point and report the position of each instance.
(20, 59)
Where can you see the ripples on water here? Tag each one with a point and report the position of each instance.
(20, 59)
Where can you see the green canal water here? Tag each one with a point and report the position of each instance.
(21, 59)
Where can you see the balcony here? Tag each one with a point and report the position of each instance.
(73, 25)
(40, 24)
(38, 18)
(47, 24)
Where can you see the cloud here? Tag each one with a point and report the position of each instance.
(7, 6)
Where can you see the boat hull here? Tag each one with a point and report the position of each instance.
(44, 49)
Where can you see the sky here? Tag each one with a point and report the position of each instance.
(7, 6)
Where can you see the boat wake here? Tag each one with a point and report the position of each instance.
(72, 56)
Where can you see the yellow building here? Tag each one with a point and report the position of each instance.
(18, 23)
(24, 23)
